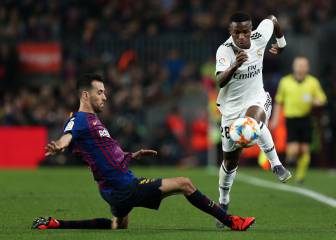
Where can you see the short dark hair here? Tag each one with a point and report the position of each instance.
(240, 17)
(85, 81)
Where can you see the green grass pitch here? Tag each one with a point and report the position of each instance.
(72, 194)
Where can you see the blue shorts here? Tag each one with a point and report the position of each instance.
(146, 194)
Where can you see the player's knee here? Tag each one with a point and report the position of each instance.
(231, 159)
(304, 148)
(293, 152)
(186, 185)
(230, 165)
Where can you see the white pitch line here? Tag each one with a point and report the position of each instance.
(303, 191)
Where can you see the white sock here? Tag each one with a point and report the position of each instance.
(225, 182)
(266, 144)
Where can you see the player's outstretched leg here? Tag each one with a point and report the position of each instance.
(52, 223)
(266, 144)
(196, 198)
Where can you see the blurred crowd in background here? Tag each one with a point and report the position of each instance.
(74, 19)
(157, 98)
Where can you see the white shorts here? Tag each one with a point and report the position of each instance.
(227, 144)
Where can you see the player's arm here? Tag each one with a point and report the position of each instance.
(279, 103)
(143, 152)
(280, 38)
(275, 116)
(59, 145)
(224, 77)
(320, 99)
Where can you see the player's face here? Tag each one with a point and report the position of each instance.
(300, 68)
(241, 33)
(97, 96)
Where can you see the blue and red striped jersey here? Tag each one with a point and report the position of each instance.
(107, 161)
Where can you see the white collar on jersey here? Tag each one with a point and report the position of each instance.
(241, 49)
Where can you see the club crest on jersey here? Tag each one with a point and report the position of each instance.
(259, 52)
(104, 133)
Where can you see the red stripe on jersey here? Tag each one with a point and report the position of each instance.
(102, 149)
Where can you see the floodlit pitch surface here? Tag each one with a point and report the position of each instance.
(71, 194)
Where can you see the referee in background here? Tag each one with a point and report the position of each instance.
(297, 94)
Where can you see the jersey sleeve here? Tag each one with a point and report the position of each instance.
(223, 59)
(74, 126)
(280, 95)
(265, 28)
(319, 93)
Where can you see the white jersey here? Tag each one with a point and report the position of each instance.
(246, 85)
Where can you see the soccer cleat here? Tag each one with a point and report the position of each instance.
(45, 223)
(241, 224)
(282, 173)
(225, 207)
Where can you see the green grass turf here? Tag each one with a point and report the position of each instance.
(71, 194)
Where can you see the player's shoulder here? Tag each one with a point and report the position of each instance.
(287, 81)
(78, 118)
(312, 78)
(226, 47)
(255, 35)
(75, 123)
(287, 78)
(227, 44)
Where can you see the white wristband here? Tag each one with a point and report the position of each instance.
(281, 42)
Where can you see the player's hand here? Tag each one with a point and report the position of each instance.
(317, 103)
(52, 148)
(144, 152)
(241, 57)
(275, 50)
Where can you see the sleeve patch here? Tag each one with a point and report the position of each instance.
(256, 35)
(222, 61)
(70, 125)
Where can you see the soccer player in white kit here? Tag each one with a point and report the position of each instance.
(239, 64)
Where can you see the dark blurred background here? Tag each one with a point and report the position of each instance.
(158, 59)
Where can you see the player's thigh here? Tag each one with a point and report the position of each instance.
(305, 130)
(257, 113)
(148, 193)
(227, 144)
(231, 152)
(178, 185)
(295, 130)
(260, 109)
(118, 209)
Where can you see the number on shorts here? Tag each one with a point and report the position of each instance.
(227, 132)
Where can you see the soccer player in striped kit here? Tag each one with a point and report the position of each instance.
(86, 135)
